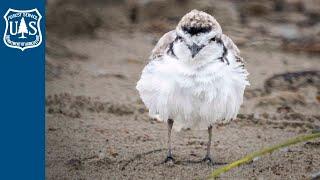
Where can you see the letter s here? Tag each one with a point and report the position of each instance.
(32, 25)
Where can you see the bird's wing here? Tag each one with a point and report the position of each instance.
(163, 44)
(232, 50)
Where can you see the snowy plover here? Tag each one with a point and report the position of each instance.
(195, 77)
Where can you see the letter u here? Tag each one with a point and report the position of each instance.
(16, 28)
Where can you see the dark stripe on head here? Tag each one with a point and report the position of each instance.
(225, 51)
(170, 50)
(196, 30)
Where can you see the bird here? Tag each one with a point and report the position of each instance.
(195, 78)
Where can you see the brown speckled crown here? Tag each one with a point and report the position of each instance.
(198, 21)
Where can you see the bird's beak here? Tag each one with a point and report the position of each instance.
(194, 49)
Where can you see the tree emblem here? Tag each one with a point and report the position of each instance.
(22, 28)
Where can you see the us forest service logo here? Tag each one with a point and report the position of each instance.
(22, 29)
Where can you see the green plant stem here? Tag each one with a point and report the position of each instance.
(216, 173)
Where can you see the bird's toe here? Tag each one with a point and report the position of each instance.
(208, 160)
(169, 160)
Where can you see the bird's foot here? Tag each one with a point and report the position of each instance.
(169, 160)
(208, 160)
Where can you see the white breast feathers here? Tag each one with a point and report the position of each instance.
(194, 96)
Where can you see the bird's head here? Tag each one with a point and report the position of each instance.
(196, 31)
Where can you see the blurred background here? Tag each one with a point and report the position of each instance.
(98, 128)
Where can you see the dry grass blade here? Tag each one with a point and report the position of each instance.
(216, 173)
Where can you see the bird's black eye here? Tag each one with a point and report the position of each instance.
(179, 38)
(213, 39)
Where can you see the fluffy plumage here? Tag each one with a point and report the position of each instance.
(195, 75)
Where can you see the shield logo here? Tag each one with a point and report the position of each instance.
(22, 29)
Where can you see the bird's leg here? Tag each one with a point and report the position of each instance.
(169, 155)
(208, 158)
(209, 141)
